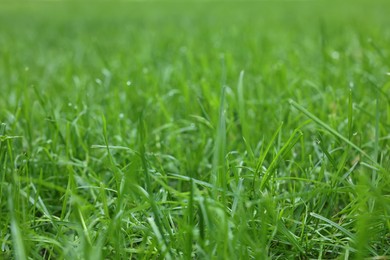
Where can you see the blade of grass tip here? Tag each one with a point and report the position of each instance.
(38, 203)
(249, 150)
(264, 154)
(331, 130)
(196, 181)
(325, 151)
(376, 144)
(113, 147)
(190, 220)
(141, 130)
(337, 226)
(116, 171)
(343, 160)
(204, 113)
(294, 138)
(11, 155)
(203, 218)
(237, 196)
(104, 200)
(17, 239)
(333, 224)
(241, 103)
(3, 158)
(157, 216)
(291, 237)
(84, 226)
(164, 249)
(350, 111)
(49, 113)
(218, 178)
(2, 134)
(107, 146)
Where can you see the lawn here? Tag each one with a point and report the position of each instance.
(195, 130)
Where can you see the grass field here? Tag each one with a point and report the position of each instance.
(205, 130)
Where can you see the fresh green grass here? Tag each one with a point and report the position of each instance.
(209, 131)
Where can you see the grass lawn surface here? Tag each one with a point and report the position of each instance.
(195, 130)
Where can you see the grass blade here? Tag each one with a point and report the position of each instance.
(294, 138)
(17, 238)
(330, 130)
(333, 224)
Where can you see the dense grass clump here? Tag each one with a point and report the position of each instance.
(235, 130)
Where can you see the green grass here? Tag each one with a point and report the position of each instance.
(154, 130)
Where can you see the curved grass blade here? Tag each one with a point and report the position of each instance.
(331, 130)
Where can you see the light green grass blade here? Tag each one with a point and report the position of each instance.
(331, 130)
(218, 177)
(337, 226)
(290, 143)
(263, 155)
(333, 224)
(17, 237)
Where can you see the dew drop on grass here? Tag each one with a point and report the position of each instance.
(128, 83)
(98, 81)
(335, 55)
